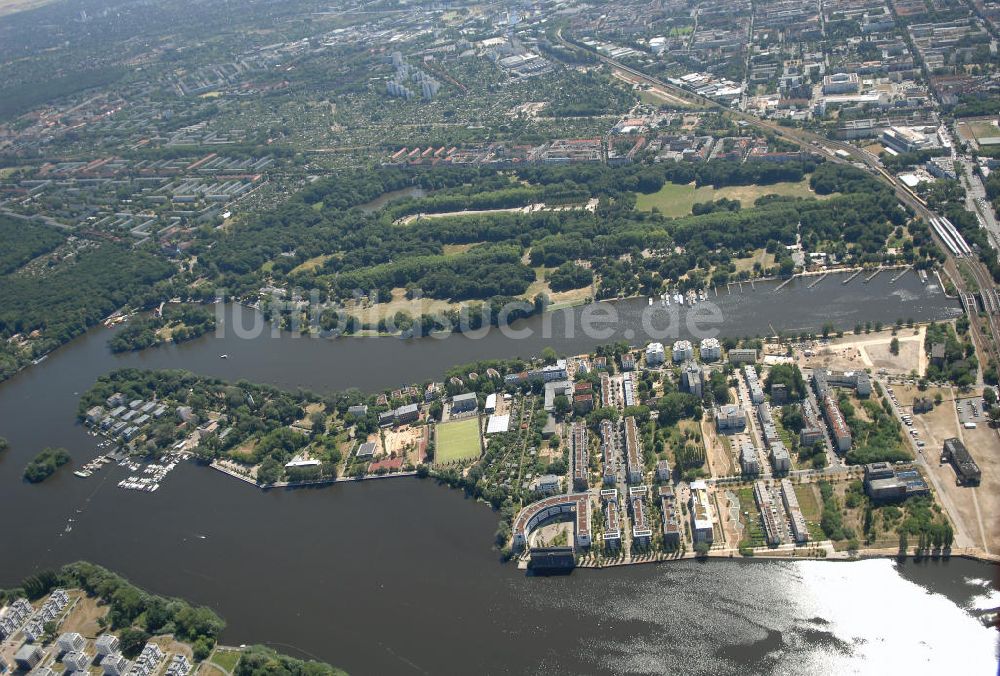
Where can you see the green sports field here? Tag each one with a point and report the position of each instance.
(457, 441)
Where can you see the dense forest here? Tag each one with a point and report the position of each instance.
(184, 322)
(260, 660)
(325, 239)
(78, 293)
(24, 240)
(365, 252)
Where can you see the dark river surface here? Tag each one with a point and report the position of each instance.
(399, 576)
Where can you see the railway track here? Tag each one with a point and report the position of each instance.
(814, 142)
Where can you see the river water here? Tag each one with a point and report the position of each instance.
(398, 576)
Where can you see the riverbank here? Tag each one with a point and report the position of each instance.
(830, 554)
(306, 484)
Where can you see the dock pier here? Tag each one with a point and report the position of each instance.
(782, 285)
(851, 278)
(901, 273)
(820, 279)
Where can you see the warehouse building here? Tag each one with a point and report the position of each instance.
(967, 472)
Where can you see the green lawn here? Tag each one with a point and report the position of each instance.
(753, 530)
(457, 441)
(225, 659)
(808, 502)
(675, 200)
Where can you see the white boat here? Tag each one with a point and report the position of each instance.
(223, 356)
(650, 301)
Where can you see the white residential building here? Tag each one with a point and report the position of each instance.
(683, 351)
(655, 354)
(710, 350)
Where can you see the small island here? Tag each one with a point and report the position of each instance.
(83, 615)
(45, 464)
(172, 324)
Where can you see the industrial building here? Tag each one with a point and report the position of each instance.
(885, 482)
(967, 472)
(905, 139)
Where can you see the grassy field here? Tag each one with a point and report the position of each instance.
(226, 659)
(457, 441)
(311, 264)
(675, 200)
(759, 256)
(753, 531)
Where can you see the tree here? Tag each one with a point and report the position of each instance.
(894, 346)
(45, 464)
(561, 403)
(903, 544)
(132, 642)
(202, 648)
(995, 415)
(318, 420)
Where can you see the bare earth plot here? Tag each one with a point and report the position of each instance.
(871, 351)
(973, 508)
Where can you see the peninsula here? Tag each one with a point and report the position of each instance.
(826, 445)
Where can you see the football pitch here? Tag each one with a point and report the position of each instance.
(457, 441)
